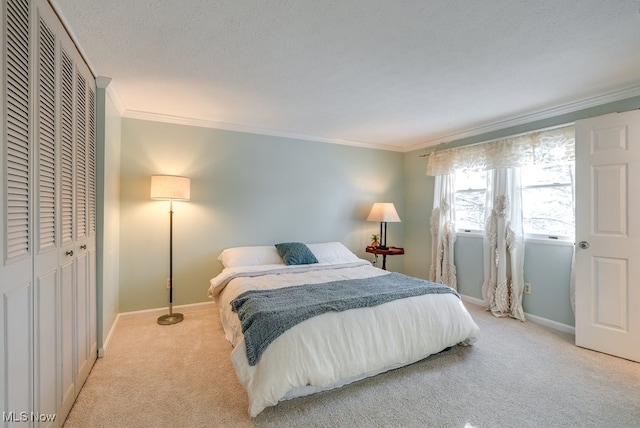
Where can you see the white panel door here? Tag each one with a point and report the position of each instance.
(608, 234)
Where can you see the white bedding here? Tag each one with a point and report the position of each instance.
(337, 347)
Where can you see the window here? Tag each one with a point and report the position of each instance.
(547, 201)
(471, 189)
(546, 160)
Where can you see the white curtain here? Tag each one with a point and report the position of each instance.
(503, 244)
(504, 238)
(443, 232)
(536, 148)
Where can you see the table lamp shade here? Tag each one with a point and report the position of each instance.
(384, 212)
(170, 187)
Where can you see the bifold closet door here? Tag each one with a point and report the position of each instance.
(85, 223)
(48, 315)
(46, 302)
(16, 234)
(77, 217)
(67, 252)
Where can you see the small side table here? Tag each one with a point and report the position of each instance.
(391, 251)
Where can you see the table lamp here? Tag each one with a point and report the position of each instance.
(383, 212)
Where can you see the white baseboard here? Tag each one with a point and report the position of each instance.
(161, 311)
(551, 324)
(534, 318)
(473, 300)
(102, 351)
(154, 312)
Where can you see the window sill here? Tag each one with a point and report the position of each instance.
(473, 234)
(527, 240)
(547, 241)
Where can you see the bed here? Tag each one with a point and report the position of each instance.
(327, 348)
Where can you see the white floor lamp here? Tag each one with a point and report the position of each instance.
(171, 188)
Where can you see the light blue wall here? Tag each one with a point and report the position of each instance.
(469, 266)
(547, 267)
(250, 189)
(418, 205)
(246, 189)
(108, 134)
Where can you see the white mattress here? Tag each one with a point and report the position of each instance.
(336, 348)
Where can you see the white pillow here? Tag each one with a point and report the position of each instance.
(250, 256)
(332, 252)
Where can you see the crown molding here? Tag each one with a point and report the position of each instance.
(117, 102)
(156, 117)
(543, 114)
(548, 113)
(102, 82)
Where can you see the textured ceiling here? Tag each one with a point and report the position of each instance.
(399, 75)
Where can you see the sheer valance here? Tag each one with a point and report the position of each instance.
(536, 148)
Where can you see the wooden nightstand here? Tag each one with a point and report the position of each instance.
(391, 251)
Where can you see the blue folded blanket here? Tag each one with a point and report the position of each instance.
(266, 314)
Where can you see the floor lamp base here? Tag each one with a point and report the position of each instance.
(170, 319)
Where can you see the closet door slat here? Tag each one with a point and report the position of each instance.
(18, 123)
(66, 150)
(46, 139)
(81, 156)
(91, 163)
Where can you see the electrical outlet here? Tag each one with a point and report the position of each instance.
(527, 288)
(168, 283)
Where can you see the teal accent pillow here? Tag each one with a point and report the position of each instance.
(295, 253)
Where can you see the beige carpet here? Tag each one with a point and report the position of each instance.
(516, 375)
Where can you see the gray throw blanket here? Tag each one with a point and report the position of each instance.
(266, 314)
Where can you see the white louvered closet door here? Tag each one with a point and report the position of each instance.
(67, 234)
(77, 219)
(16, 235)
(48, 317)
(85, 209)
(47, 351)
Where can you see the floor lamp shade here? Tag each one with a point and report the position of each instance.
(383, 212)
(171, 188)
